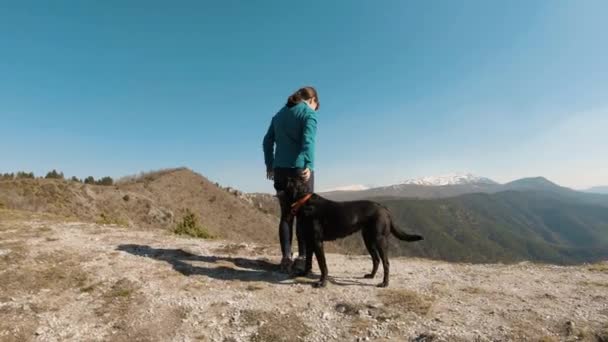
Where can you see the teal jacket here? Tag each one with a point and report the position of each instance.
(293, 130)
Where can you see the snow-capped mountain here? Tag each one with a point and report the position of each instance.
(353, 187)
(450, 179)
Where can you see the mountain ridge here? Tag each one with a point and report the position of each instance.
(448, 179)
(533, 220)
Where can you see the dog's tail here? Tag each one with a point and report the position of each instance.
(402, 235)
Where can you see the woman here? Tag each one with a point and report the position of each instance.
(293, 129)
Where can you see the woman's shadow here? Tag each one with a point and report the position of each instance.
(227, 268)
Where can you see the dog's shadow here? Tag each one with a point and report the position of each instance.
(227, 268)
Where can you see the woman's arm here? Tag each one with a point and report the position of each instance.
(268, 145)
(309, 135)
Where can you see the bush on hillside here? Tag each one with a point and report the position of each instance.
(75, 179)
(105, 181)
(7, 176)
(54, 175)
(28, 175)
(189, 226)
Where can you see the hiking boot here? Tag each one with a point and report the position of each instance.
(286, 265)
(299, 264)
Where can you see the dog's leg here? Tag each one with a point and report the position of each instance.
(309, 252)
(371, 248)
(320, 254)
(383, 251)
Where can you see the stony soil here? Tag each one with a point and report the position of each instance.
(88, 282)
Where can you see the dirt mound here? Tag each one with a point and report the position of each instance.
(155, 199)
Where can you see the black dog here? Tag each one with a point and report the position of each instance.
(327, 220)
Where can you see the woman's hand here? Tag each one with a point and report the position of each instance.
(305, 174)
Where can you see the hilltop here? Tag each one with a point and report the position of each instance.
(150, 200)
(531, 219)
(72, 281)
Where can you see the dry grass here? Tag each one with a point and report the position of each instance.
(126, 310)
(474, 290)
(273, 327)
(360, 323)
(254, 287)
(57, 272)
(527, 327)
(593, 283)
(123, 288)
(599, 267)
(360, 326)
(19, 215)
(118, 302)
(112, 219)
(89, 288)
(404, 300)
(230, 248)
(17, 324)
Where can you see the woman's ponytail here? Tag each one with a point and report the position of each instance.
(303, 94)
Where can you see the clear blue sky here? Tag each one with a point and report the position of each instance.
(503, 89)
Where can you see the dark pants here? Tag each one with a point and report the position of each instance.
(281, 175)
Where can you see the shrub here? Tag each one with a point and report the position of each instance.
(75, 179)
(29, 175)
(189, 226)
(105, 181)
(89, 180)
(7, 176)
(54, 175)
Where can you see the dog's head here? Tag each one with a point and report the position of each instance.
(295, 189)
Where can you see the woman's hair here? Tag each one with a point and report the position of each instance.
(303, 94)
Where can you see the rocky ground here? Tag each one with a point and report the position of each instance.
(88, 282)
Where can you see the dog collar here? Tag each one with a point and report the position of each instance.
(299, 203)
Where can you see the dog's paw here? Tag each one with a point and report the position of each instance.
(382, 284)
(369, 276)
(319, 284)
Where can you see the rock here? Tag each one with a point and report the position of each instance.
(570, 328)
(425, 337)
(325, 315)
